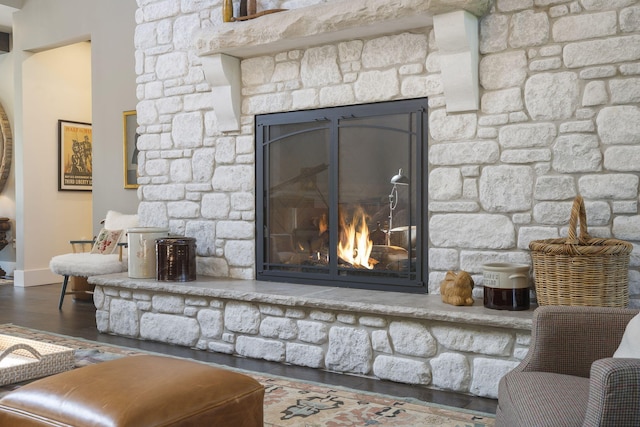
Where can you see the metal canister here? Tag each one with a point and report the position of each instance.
(176, 259)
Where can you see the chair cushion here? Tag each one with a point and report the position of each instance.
(630, 344)
(87, 264)
(542, 399)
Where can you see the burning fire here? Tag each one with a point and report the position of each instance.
(354, 246)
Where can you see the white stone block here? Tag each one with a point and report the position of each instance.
(380, 342)
(259, 348)
(384, 52)
(506, 188)
(319, 67)
(402, 370)
(476, 341)
(412, 339)
(619, 125)
(211, 323)
(349, 350)
(585, 26)
(577, 153)
(304, 355)
(451, 371)
(503, 70)
(312, 332)
(123, 318)
(169, 328)
(605, 51)
(552, 96)
(278, 327)
(609, 186)
(472, 231)
(445, 184)
(242, 318)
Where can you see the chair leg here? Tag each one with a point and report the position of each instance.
(64, 291)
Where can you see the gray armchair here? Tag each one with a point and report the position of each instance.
(569, 377)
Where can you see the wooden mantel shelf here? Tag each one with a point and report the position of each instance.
(455, 24)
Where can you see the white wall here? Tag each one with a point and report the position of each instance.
(114, 91)
(54, 84)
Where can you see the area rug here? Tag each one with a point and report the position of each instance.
(290, 402)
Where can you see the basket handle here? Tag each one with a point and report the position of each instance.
(578, 212)
(17, 347)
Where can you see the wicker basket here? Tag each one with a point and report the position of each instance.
(22, 359)
(582, 271)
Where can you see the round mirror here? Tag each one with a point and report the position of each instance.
(7, 147)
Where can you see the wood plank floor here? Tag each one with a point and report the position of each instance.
(37, 308)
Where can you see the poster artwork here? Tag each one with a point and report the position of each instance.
(75, 156)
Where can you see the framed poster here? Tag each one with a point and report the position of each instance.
(130, 149)
(75, 168)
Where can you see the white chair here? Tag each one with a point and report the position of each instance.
(85, 264)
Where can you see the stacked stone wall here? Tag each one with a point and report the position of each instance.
(437, 354)
(560, 115)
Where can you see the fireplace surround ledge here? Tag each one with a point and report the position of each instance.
(407, 338)
(455, 24)
(367, 302)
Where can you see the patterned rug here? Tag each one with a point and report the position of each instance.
(290, 402)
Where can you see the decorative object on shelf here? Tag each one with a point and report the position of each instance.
(142, 250)
(176, 259)
(227, 11)
(581, 270)
(258, 14)
(243, 8)
(252, 7)
(75, 162)
(506, 286)
(457, 289)
(130, 148)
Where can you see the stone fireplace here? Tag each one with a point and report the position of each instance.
(529, 104)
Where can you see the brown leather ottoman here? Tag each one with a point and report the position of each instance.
(137, 391)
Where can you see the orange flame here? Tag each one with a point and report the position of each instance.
(354, 246)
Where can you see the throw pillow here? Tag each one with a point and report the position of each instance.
(106, 242)
(630, 344)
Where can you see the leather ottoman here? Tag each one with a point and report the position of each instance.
(137, 391)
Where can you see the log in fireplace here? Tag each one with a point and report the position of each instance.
(342, 196)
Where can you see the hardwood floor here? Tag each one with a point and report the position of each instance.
(37, 308)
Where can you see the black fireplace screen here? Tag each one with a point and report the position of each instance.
(342, 196)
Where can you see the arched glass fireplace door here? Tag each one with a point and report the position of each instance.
(343, 196)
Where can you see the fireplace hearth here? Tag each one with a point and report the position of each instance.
(343, 196)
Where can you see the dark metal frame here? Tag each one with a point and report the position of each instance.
(418, 282)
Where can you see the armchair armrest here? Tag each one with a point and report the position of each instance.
(614, 393)
(567, 340)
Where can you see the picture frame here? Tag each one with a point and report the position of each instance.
(130, 149)
(75, 156)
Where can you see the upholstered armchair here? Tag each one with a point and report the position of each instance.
(105, 256)
(569, 377)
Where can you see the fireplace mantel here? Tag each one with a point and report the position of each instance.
(455, 23)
